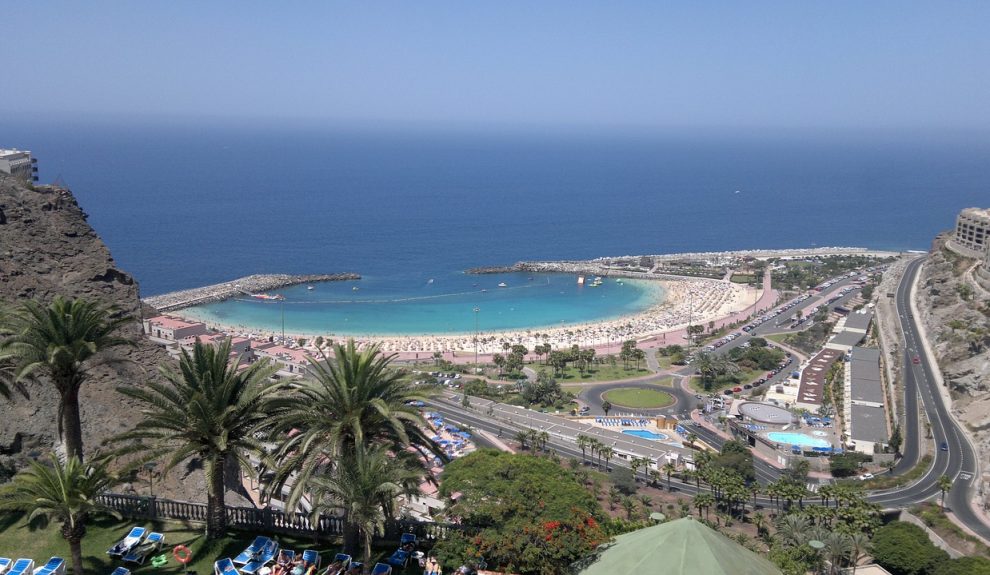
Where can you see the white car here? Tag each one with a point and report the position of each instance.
(865, 476)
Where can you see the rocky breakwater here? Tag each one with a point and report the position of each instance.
(258, 283)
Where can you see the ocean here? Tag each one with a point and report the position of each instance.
(185, 204)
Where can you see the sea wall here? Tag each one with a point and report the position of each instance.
(245, 285)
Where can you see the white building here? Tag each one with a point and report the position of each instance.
(20, 164)
(972, 229)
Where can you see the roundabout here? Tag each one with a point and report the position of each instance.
(638, 397)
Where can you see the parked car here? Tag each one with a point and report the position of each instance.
(865, 476)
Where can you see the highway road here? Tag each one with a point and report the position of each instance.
(958, 460)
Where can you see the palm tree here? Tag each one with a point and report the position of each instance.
(838, 548)
(860, 543)
(690, 438)
(703, 501)
(793, 529)
(629, 505)
(362, 488)
(522, 436)
(583, 442)
(62, 492)
(944, 484)
(607, 452)
(62, 342)
(668, 468)
(355, 399)
(208, 409)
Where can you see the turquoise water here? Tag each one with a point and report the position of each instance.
(416, 304)
(797, 439)
(646, 434)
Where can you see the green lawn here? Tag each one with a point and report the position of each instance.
(663, 361)
(603, 372)
(742, 278)
(17, 539)
(639, 398)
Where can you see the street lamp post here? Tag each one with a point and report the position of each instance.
(476, 310)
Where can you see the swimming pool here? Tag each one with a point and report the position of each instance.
(646, 434)
(797, 439)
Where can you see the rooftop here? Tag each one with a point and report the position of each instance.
(859, 320)
(169, 322)
(813, 376)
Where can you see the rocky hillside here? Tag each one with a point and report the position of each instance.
(957, 317)
(48, 248)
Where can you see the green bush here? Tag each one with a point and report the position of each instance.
(904, 549)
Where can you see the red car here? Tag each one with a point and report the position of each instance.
(737, 389)
(916, 360)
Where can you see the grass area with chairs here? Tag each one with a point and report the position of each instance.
(18, 539)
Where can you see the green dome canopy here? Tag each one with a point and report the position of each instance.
(679, 547)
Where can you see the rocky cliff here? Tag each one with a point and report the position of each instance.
(956, 312)
(48, 248)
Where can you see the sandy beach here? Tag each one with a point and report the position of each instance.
(680, 302)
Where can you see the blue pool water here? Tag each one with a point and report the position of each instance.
(646, 434)
(797, 439)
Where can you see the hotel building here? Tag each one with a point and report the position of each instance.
(19, 164)
(972, 228)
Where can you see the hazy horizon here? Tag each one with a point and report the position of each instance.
(625, 66)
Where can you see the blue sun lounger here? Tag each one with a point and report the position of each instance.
(55, 566)
(130, 541)
(312, 557)
(121, 571)
(267, 555)
(225, 567)
(252, 550)
(382, 569)
(22, 567)
(5, 563)
(151, 545)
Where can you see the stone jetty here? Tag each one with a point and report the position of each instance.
(258, 283)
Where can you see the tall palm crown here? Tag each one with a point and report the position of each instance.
(363, 487)
(62, 341)
(354, 399)
(210, 409)
(61, 492)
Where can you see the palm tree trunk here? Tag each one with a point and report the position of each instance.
(73, 534)
(71, 426)
(367, 548)
(351, 537)
(216, 509)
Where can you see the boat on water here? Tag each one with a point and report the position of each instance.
(310, 287)
(503, 284)
(431, 281)
(580, 280)
(268, 297)
(355, 288)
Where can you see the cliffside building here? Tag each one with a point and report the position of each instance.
(983, 272)
(20, 164)
(167, 330)
(971, 234)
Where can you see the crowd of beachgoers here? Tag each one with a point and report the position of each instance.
(679, 303)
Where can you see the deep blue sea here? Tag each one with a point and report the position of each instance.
(185, 204)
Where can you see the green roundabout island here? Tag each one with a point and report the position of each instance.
(638, 397)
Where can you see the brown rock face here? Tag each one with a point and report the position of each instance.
(47, 248)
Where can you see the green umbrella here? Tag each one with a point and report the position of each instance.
(679, 547)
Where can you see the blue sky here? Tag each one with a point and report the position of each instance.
(861, 65)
